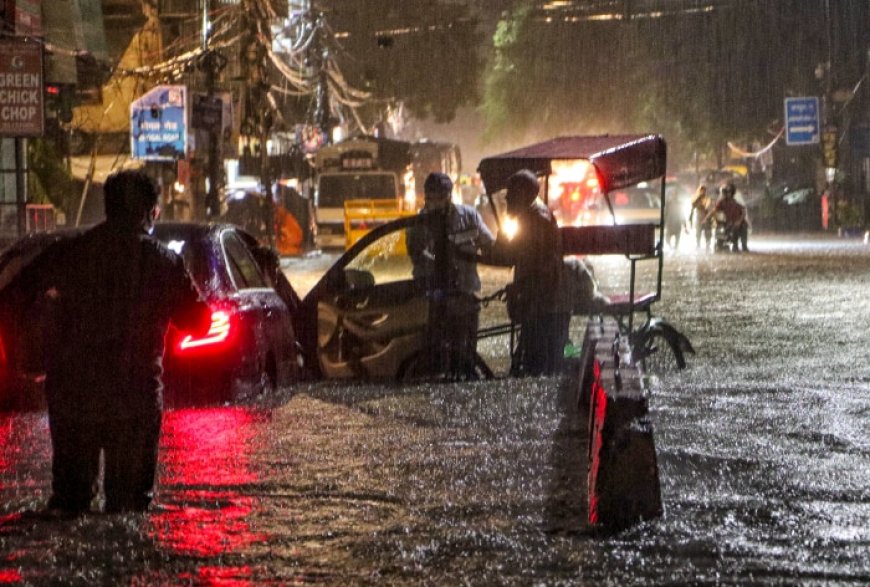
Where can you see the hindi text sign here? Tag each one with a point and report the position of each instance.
(158, 124)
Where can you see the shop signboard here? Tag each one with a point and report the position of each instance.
(158, 124)
(21, 94)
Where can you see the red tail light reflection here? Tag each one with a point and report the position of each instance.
(206, 469)
(217, 333)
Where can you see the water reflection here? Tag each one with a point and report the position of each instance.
(207, 458)
(25, 455)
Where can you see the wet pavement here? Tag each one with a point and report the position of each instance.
(762, 443)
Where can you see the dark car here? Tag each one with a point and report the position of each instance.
(250, 348)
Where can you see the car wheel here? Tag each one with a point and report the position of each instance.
(269, 376)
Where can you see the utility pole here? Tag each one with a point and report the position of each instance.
(257, 116)
(213, 63)
(829, 124)
(320, 52)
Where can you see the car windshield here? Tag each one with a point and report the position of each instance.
(14, 260)
(19, 255)
(336, 188)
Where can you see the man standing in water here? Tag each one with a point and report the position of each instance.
(113, 291)
(702, 204)
(534, 296)
(444, 249)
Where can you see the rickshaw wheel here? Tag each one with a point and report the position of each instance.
(425, 367)
(419, 368)
(659, 357)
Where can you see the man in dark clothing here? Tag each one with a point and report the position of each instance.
(114, 291)
(534, 296)
(444, 249)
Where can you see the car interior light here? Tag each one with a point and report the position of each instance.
(218, 332)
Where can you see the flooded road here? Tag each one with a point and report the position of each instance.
(763, 446)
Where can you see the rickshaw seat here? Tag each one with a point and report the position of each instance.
(622, 239)
(619, 304)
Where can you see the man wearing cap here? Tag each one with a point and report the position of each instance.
(533, 299)
(444, 248)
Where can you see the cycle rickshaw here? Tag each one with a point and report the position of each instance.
(368, 319)
(604, 164)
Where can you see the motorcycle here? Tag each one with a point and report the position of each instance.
(729, 237)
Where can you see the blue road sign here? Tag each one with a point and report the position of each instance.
(158, 124)
(802, 121)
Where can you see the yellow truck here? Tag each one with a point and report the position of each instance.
(366, 181)
(361, 216)
(370, 170)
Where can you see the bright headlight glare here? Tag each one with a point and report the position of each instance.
(510, 227)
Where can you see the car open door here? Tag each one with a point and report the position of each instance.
(367, 315)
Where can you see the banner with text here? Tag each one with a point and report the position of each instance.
(21, 99)
(158, 124)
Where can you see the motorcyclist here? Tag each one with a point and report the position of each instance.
(736, 221)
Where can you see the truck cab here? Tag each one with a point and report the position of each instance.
(365, 168)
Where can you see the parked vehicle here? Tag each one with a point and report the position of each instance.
(361, 169)
(250, 348)
(640, 204)
(364, 182)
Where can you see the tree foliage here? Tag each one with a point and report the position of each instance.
(422, 53)
(49, 181)
(699, 77)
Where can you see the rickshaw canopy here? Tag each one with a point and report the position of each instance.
(620, 160)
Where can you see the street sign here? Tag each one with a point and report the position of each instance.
(21, 101)
(801, 121)
(158, 124)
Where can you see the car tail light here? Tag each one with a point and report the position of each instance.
(218, 333)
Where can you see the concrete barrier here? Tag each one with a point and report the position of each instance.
(623, 482)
